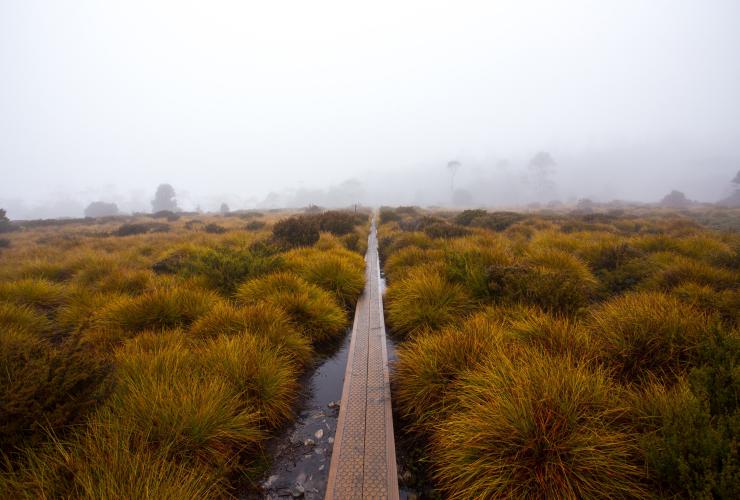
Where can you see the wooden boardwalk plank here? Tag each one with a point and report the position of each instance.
(363, 462)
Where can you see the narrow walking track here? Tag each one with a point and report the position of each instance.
(363, 463)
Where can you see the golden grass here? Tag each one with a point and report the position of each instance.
(311, 310)
(262, 319)
(23, 318)
(647, 333)
(164, 307)
(106, 460)
(424, 300)
(340, 272)
(263, 376)
(429, 364)
(536, 426)
(39, 293)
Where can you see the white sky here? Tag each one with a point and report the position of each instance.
(234, 99)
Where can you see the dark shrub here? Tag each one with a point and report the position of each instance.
(340, 223)
(223, 268)
(445, 230)
(296, 231)
(5, 226)
(690, 431)
(141, 228)
(498, 221)
(4, 243)
(101, 209)
(465, 217)
(193, 224)
(43, 387)
(407, 210)
(215, 229)
(254, 225)
(166, 214)
(387, 214)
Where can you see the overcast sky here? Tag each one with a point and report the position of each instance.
(233, 100)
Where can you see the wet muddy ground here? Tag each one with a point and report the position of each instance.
(301, 456)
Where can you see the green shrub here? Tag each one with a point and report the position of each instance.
(445, 230)
(466, 217)
(42, 386)
(537, 427)
(214, 229)
(497, 221)
(224, 268)
(141, 228)
(425, 301)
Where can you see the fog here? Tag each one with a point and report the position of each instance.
(266, 104)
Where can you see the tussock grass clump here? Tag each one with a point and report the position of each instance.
(469, 261)
(106, 460)
(540, 427)
(674, 270)
(23, 318)
(312, 310)
(401, 262)
(554, 280)
(726, 303)
(39, 293)
(262, 319)
(424, 300)
(558, 336)
(339, 272)
(164, 307)
(258, 371)
(428, 366)
(647, 333)
(162, 395)
(558, 281)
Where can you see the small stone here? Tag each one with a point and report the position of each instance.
(309, 442)
(270, 481)
(319, 433)
(321, 467)
(298, 491)
(333, 404)
(331, 440)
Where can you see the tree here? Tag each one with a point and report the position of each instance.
(164, 199)
(453, 166)
(4, 222)
(675, 199)
(224, 208)
(101, 209)
(541, 167)
(736, 180)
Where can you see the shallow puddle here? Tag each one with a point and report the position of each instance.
(301, 456)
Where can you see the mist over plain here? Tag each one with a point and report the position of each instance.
(332, 103)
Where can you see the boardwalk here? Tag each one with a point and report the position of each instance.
(363, 462)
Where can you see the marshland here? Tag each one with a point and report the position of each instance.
(413, 250)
